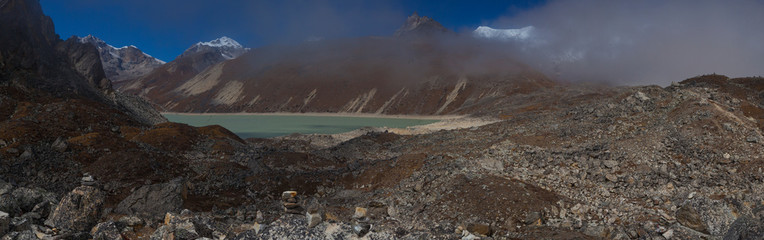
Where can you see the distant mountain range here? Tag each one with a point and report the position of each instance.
(128, 63)
(412, 72)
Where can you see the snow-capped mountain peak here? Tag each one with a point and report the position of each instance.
(222, 42)
(224, 46)
(503, 34)
(122, 63)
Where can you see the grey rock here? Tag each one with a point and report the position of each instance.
(185, 230)
(5, 187)
(746, 227)
(154, 200)
(59, 145)
(5, 222)
(19, 224)
(24, 235)
(728, 127)
(106, 231)
(610, 163)
(29, 198)
(689, 217)
(611, 177)
(715, 215)
(361, 228)
(26, 155)
(130, 221)
(9, 204)
(313, 219)
(532, 218)
(641, 96)
(162, 233)
(205, 226)
(79, 210)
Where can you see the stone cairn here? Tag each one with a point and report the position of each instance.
(361, 225)
(87, 180)
(291, 205)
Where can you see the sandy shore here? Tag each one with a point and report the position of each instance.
(363, 115)
(329, 140)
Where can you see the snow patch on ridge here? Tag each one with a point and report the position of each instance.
(503, 34)
(222, 42)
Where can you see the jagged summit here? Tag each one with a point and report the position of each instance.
(222, 42)
(486, 32)
(420, 26)
(223, 46)
(122, 63)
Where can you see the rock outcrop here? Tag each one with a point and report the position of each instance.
(78, 211)
(153, 200)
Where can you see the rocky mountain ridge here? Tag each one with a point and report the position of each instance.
(122, 63)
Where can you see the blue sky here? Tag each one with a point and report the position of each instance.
(164, 28)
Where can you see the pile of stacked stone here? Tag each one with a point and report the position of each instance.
(88, 180)
(291, 205)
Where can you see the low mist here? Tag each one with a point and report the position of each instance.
(642, 42)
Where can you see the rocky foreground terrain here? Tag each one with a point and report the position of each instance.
(570, 161)
(616, 163)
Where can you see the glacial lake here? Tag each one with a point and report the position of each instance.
(267, 126)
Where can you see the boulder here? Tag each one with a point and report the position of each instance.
(163, 232)
(313, 219)
(748, 226)
(79, 210)
(707, 215)
(5, 187)
(9, 204)
(106, 231)
(481, 229)
(153, 200)
(20, 224)
(24, 235)
(31, 198)
(688, 217)
(185, 230)
(5, 223)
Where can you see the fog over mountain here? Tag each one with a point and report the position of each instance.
(643, 42)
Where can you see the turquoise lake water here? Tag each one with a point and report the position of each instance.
(266, 126)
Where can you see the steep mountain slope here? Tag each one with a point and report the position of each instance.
(33, 57)
(429, 74)
(187, 65)
(123, 63)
